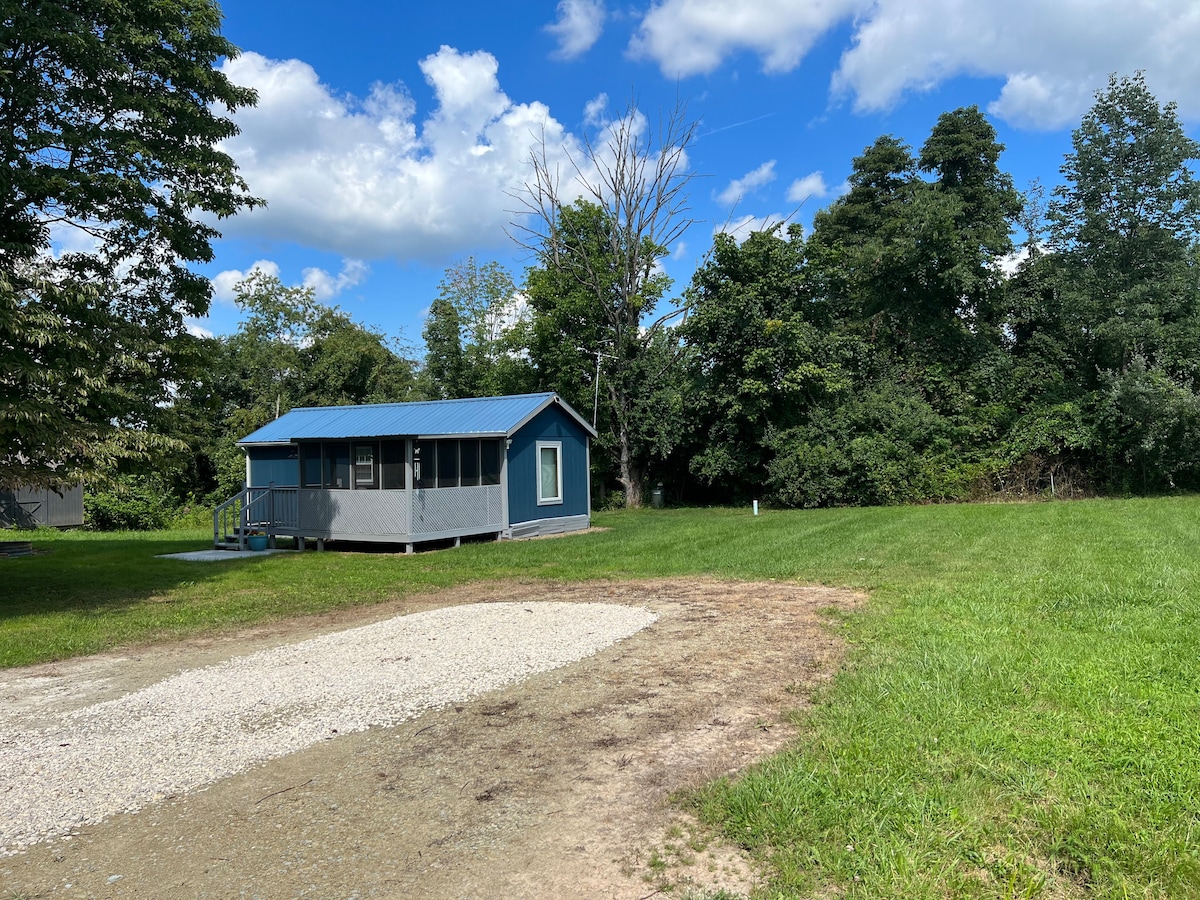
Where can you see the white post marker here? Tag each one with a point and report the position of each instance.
(756, 507)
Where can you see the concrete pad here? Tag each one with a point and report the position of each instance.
(219, 555)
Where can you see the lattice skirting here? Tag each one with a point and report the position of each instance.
(539, 527)
(438, 510)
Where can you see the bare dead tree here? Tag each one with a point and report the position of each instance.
(637, 176)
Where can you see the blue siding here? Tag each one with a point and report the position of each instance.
(551, 424)
(274, 464)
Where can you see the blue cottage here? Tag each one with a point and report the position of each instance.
(410, 472)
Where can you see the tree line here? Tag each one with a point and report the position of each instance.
(905, 349)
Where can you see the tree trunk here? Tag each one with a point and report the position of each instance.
(627, 471)
(629, 476)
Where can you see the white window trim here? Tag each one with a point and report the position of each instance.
(556, 446)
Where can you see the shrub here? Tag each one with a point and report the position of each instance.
(126, 504)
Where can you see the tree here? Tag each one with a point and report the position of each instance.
(962, 151)
(474, 333)
(623, 374)
(909, 269)
(604, 250)
(760, 357)
(1124, 228)
(1108, 318)
(444, 373)
(110, 125)
(288, 351)
(917, 263)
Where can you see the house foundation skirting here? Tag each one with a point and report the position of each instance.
(539, 527)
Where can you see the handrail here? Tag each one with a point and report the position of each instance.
(267, 509)
(232, 510)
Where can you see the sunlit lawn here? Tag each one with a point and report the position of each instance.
(1019, 713)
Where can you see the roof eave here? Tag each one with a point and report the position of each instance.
(554, 399)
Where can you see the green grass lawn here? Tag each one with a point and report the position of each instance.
(1019, 714)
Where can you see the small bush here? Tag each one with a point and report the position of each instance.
(612, 500)
(193, 514)
(126, 505)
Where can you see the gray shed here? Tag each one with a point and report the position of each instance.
(28, 507)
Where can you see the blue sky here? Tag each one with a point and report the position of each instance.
(387, 135)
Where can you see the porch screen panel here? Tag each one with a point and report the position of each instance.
(337, 465)
(310, 465)
(392, 466)
(468, 455)
(489, 462)
(425, 463)
(447, 463)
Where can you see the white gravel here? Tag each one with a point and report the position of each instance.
(196, 727)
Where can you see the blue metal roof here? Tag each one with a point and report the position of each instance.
(476, 416)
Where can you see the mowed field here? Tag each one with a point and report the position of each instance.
(1018, 714)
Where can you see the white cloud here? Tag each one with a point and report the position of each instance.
(577, 27)
(325, 286)
(810, 187)
(691, 37)
(751, 181)
(1051, 57)
(1036, 101)
(742, 227)
(364, 179)
(225, 283)
(595, 109)
(195, 329)
(67, 237)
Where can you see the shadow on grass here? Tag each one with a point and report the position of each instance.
(103, 573)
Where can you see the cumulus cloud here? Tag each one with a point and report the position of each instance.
(595, 110)
(225, 284)
(326, 286)
(364, 178)
(810, 187)
(751, 181)
(577, 27)
(1050, 57)
(692, 37)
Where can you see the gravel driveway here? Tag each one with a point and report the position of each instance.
(557, 783)
(206, 724)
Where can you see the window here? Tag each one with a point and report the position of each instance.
(468, 456)
(337, 465)
(392, 466)
(489, 462)
(447, 465)
(364, 467)
(425, 464)
(310, 465)
(549, 474)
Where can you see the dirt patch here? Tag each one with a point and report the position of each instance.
(556, 787)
